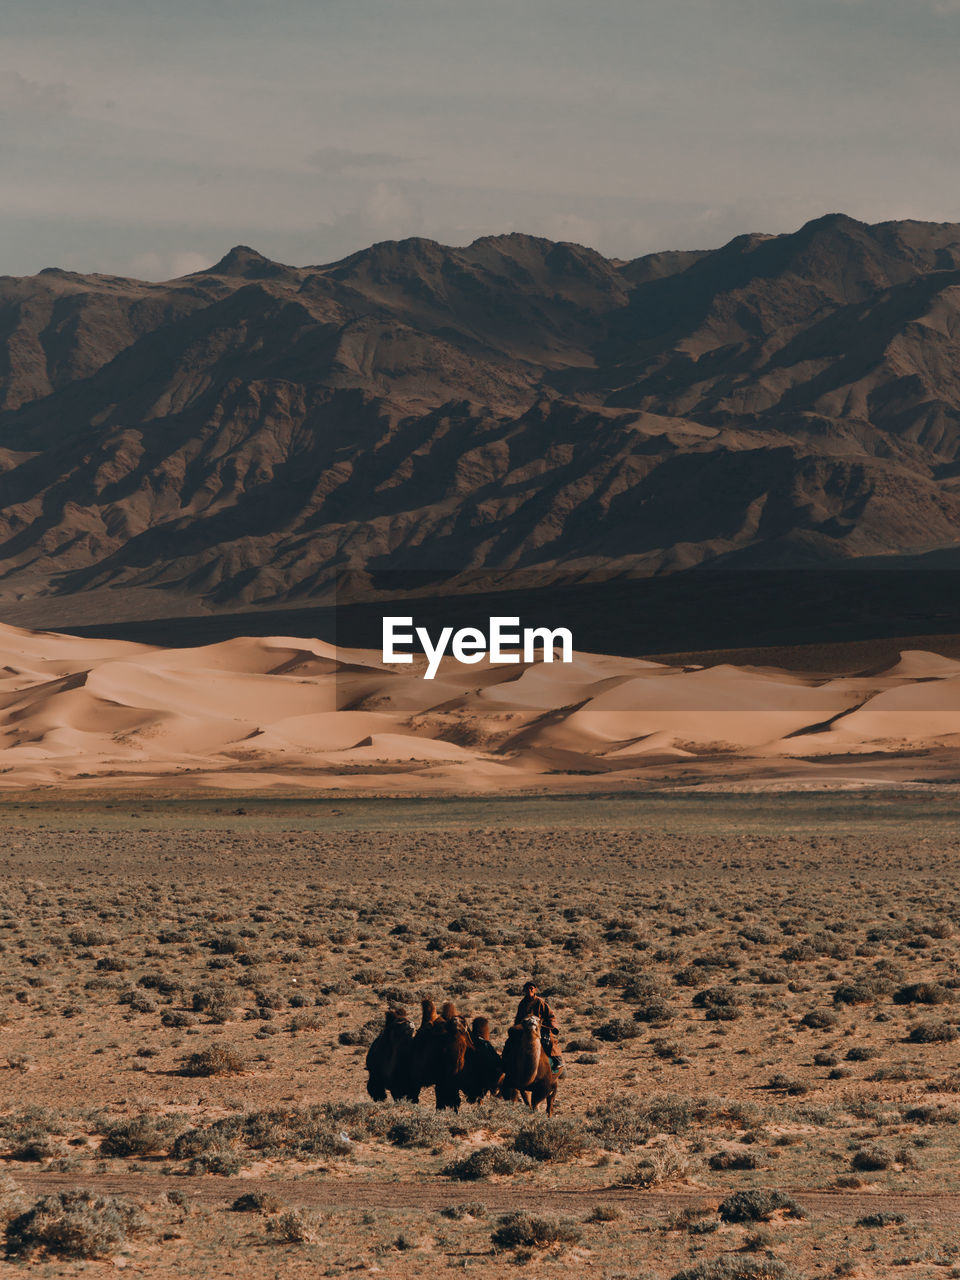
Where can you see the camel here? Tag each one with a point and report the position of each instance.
(527, 1067)
(452, 1044)
(483, 1068)
(424, 1048)
(389, 1060)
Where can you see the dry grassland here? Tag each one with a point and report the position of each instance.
(759, 999)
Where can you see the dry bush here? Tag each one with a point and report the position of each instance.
(488, 1162)
(547, 1138)
(872, 1159)
(666, 1162)
(295, 1226)
(218, 1060)
(758, 1206)
(738, 1266)
(524, 1231)
(932, 1033)
(257, 1202)
(73, 1224)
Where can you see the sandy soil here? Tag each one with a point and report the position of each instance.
(739, 982)
(285, 714)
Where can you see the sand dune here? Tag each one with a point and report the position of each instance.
(287, 712)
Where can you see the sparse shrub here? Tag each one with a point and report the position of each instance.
(759, 1206)
(177, 1018)
(787, 1084)
(881, 1220)
(616, 1029)
(932, 1115)
(932, 1033)
(364, 1036)
(487, 1162)
(73, 1224)
(295, 1226)
(138, 1137)
(604, 1213)
(733, 1160)
(819, 1019)
(524, 1231)
(872, 1159)
(257, 1202)
(922, 993)
(470, 1209)
(419, 1129)
(547, 1138)
(218, 1060)
(663, 1163)
(737, 1266)
(656, 1012)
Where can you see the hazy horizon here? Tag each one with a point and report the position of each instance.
(147, 142)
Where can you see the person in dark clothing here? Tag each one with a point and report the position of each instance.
(533, 1003)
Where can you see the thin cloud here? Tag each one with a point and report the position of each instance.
(342, 160)
(33, 100)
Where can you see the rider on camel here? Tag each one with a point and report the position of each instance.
(533, 1003)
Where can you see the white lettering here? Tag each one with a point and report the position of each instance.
(500, 637)
(434, 654)
(548, 640)
(470, 645)
(391, 638)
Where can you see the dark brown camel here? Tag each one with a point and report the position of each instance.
(527, 1069)
(483, 1068)
(452, 1043)
(424, 1048)
(389, 1060)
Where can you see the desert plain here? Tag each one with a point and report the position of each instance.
(757, 997)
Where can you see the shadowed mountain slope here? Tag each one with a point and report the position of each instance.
(238, 436)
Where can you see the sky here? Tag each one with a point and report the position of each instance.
(148, 138)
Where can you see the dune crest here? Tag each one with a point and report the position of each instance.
(289, 712)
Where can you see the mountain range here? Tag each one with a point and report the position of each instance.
(522, 409)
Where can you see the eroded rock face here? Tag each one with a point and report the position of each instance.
(239, 434)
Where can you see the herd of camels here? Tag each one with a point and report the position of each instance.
(454, 1060)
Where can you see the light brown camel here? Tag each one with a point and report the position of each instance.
(527, 1069)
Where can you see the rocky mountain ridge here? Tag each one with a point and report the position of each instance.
(240, 436)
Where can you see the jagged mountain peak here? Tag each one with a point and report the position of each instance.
(238, 435)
